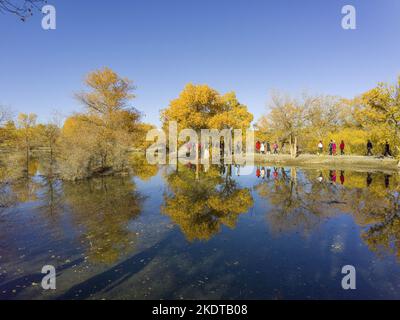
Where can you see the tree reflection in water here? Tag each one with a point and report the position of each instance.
(301, 201)
(100, 208)
(103, 207)
(200, 202)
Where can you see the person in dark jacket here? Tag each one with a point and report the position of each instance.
(387, 152)
(369, 148)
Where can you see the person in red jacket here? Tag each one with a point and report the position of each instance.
(258, 146)
(342, 145)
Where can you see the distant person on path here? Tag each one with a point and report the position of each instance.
(262, 148)
(258, 146)
(330, 147)
(369, 148)
(268, 148)
(334, 148)
(275, 148)
(342, 146)
(387, 152)
(320, 147)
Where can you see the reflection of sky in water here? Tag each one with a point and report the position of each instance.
(168, 235)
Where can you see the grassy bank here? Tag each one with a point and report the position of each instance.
(334, 162)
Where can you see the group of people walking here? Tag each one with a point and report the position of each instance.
(268, 148)
(265, 147)
(332, 148)
(386, 149)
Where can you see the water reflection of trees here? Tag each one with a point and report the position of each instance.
(376, 209)
(201, 202)
(100, 208)
(296, 203)
(103, 207)
(302, 200)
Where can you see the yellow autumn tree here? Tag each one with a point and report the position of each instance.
(108, 124)
(201, 107)
(378, 112)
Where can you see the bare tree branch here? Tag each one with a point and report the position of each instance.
(21, 8)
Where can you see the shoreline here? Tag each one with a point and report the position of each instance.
(334, 162)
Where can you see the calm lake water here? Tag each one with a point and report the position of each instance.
(220, 232)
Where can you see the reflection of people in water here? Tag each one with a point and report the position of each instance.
(320, 177)
(332, 175)
(258, 172)
(262, 172)
(275, 173)
(387, 180)
(342, 177)
(369, 179)
(268, 173)
(284, 175)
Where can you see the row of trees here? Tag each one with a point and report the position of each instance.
(302, 123)
(98, 139)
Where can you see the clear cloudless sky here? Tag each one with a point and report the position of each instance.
(246, 46)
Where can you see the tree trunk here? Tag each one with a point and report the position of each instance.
(293, 147)
(27, 156)
(197, 161)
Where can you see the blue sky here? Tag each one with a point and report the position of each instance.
(249, 47)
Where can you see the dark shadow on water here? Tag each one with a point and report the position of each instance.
(116, 275)
(27, 280)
